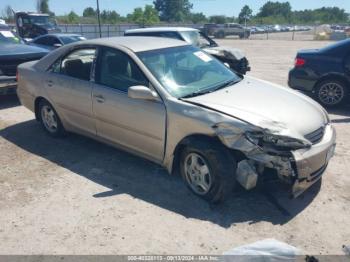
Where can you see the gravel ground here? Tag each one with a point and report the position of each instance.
(78, 196)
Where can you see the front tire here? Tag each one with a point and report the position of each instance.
(208, 170)
(50, 120)
(331, 93)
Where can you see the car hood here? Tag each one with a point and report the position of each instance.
(20, 49)
(277, 109)
(227, 52)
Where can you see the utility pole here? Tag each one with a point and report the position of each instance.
(98, 18)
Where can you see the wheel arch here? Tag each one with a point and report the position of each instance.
(195, 137)
(36, 106)
(333, 76)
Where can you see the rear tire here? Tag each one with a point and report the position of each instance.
(50, 120)
(331, 93)
(208, 170)
(221, 35)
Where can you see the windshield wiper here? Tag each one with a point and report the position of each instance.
(226, 84)
(210, 90)
(197, 93)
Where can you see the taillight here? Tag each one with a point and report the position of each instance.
(17, 75)
(299, 62)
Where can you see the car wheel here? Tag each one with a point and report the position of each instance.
(209, 170)
(50, 120)
(331, 93)
(221, 35)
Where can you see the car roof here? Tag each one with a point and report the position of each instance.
(160, 29)
(31, 13)
(133, 43)
(136, 43)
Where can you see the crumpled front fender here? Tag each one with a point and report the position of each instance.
(234, 138)
(226, 52)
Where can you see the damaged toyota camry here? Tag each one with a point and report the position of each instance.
(173, 104)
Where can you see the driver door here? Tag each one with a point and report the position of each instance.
(135, 124)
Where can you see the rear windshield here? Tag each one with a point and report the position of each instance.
(339, 46)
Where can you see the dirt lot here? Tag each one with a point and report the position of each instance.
(77, 196)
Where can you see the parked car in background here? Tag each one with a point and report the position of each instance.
(13, 51)
(323, 73)
(170, 102)
(53, 41)
(230, 29)
(30, 25)
(235, 58)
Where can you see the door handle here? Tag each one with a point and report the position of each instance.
(99, 98)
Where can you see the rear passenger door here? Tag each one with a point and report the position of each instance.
(70, 88)
(135, 124)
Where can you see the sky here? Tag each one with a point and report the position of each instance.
(208, 7)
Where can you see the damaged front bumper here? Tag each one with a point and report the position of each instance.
(300, 168)
(311, 163)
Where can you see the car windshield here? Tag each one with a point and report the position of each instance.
(71, 39)
(195, 38)
(41, 20)
(7, 37)
(187, 71)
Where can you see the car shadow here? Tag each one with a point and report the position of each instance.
(342, 114)
(7, 101)
(123, 173)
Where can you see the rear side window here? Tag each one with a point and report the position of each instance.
(117, 70)
(77, 64)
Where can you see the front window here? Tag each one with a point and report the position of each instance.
(187, 71)
(117, 70)
(41, 20)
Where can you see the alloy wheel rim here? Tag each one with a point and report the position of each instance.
(49, 119)
(197, 173)
(331, 93)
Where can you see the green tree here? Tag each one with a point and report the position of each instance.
(245, 15)
(89, 12)
(174, 10)
(110, 17)
(151, 15)
(275, 9)
(198, 18)
(73, 18)
(218, 19)
(148, 16)
(42, 6)
(7, 14)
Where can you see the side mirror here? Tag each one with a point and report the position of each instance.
(142, 92)
(57, 45)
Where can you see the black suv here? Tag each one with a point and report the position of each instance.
(323, 73)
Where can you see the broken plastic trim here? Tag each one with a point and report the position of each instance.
(280, 142)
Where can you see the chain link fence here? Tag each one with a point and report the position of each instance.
(92, 30)
(109, 30)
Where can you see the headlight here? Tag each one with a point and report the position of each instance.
(282, 142)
